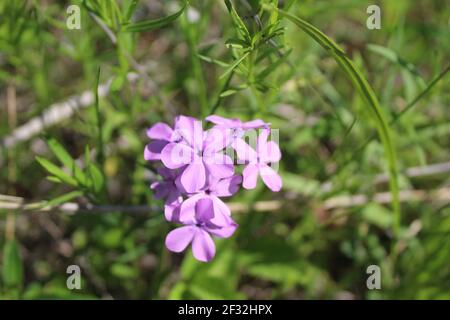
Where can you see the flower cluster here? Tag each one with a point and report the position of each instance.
(197, 170)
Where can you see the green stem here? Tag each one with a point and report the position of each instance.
(219, 98)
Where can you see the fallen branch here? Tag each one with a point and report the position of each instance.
(73, 208)
(439, 195)
(412, 172)
(422, 171)
(54, 114)
(17, 203)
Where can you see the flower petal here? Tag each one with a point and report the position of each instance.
(216, 119)
(176, 155)
(250, 176)
(203, 246)
(219, 204)
(270, 177)
(226, 187)
(262, 141)
(177, 240)
(221, 121)
(172, 212)
(160, 131)
(219, 165)
(271, 153)
(204, 210)
(244, 151)
(166, 173)
(160, 188)
(191, 130)
(153, 150)
(223, 232)
(187, 210)
(193, 177)
(173, 195)
(221, 213)
(217, 138)
(254, 124)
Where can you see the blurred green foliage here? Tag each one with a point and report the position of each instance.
(236, 59)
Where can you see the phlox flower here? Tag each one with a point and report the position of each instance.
(197, 229)
(196, 173)
(199, 152)
(217, 188)
(258, 161)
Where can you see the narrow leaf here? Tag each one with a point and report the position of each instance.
(12, 271)
(148, 25)
(66, 159)
(238, 21)
(63, 198)
(56, 171)
(368, 96)
(234, 65)
(274, 66)
(97, 177)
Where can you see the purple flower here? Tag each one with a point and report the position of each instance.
(200, 151)
(220, 214)
(199, 225)
(257, 162)
(197, 173)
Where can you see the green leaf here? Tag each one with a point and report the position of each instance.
(87, 155)
(390, 55)
(273, 19)
(154, 24)
(61, 153)
(233, 90)
(236, 43)
(215, 61)
(177, 292)
(377, 215)
(124, 271)
(112, 238)
(287, 274)
(54, 179)
(118, 82)
(99, 119)
(300, 184)
(129, 9)
(12, 271)
(234, 65)
(368, 96)
(274, 66)
(213, 288)
(64, 198)
(421, 95)
(96, 177)
(65, 158)
(238, 21)
(57, 172)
